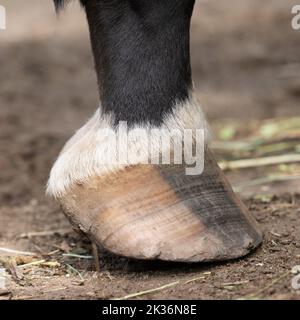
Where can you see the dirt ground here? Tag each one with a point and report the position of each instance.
(246, 69)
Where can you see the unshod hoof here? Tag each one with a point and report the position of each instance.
(159, 212)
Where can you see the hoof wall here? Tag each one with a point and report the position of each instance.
(158, 212)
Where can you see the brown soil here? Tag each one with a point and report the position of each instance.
(246, 66)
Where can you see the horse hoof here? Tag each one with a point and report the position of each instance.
(159, 212)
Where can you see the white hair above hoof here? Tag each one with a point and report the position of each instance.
(99, 148)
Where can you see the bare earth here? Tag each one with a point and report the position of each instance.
(246, 67)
